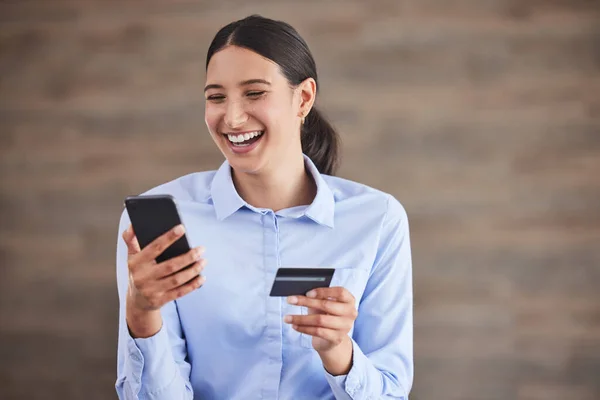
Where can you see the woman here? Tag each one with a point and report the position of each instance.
(273, 203)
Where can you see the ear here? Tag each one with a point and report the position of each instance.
(308, 93)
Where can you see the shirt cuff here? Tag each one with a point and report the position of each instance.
(350, 386)
(154, 358)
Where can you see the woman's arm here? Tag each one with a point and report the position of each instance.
(154, 367)
(377, 363)
(382, 342)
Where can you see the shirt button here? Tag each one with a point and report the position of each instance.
(136, 357)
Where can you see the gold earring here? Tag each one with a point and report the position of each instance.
(302, 120)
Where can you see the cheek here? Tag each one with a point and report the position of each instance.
(271, 113)
(212, 116)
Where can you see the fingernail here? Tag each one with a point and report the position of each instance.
(312, 294)
(292, 300)
(287, 318)
(198, 252)
(179, 229)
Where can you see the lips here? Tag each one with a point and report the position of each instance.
(243, 142)
(244, 139)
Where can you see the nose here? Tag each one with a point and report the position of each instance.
(235, 115)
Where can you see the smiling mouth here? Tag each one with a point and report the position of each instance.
(244, 139)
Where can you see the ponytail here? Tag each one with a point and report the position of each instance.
(320, 142)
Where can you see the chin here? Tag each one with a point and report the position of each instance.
(248, 163)
(243, 166)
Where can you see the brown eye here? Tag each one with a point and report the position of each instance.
(255, 95)
(216, 98)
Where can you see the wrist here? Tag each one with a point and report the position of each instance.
(338, 360)
(142, 323)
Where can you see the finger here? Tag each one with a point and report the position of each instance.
(182, 290)
(133, 247)
(322, 320)
(330, 335)
(178, 263)
(182, 277)
(336, 292)
(327, 306)
(160, 244)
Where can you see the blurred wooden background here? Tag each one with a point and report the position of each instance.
(481, 116)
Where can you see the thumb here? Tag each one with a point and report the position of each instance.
(133, 247)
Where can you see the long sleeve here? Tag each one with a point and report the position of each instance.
(382, 365)
(155, 367)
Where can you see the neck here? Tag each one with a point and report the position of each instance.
(277, 188)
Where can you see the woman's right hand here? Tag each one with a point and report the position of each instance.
(152, 285)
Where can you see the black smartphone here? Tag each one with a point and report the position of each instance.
(151, 217)
(299, 281)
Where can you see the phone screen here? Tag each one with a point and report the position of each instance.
(151, 217)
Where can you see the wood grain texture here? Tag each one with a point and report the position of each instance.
(481, 117)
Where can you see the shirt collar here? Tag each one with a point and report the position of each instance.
(321, 210)
(226, 199)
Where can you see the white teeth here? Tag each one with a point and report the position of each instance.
(244, 136)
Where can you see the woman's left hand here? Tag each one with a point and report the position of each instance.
(331, 315)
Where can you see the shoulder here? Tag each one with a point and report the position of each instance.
(367, 198)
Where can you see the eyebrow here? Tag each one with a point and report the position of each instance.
(244, 83)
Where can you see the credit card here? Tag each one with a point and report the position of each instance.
(299, 281)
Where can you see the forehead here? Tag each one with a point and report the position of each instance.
(235, 64)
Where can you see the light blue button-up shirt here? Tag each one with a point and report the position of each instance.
(227, 339)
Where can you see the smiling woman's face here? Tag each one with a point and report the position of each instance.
(252, 113)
